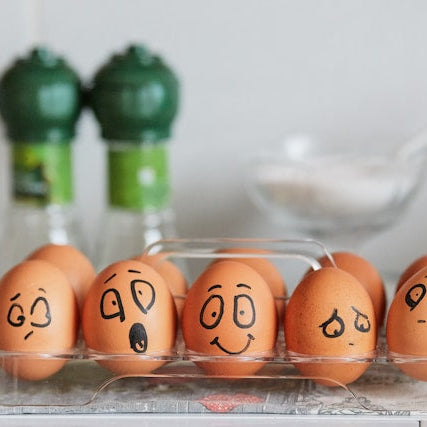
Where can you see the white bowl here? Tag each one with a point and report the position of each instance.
(318, 189)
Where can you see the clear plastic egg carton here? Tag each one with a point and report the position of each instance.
(180, 385)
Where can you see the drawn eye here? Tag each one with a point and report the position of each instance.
(40, 312)
(111, 305)
(212, 311)
(415, 295)
(361, 323)
(244, 311)
(143, 294)
(15, 316)
(333, 327)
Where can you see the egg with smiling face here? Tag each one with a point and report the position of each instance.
(230, 314)
(129, 310)
(406, 329)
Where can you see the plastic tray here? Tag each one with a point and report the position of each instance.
(180, 386)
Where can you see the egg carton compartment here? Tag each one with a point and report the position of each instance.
(180, 384)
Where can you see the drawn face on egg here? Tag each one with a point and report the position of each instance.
(406, 324)
(240, 308)
(330, 313)
(335, 326)
(38, 313)
(29, 318)
(143, 296)
(414, 296)
(407, 317)
(129, 309)
(229, 310)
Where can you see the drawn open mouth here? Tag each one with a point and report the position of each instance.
(138, 338)
(216, 342)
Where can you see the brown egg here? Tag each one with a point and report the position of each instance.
(268, 272)
(38, 313)
(413, 268)
(72, 262)
(406, 329)
(229, 312)
(172, 275)
(330, 314)
(366, 274)
(129, 310)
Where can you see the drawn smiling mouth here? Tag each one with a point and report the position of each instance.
(216, 342)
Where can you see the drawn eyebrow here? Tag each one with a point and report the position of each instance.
(134, 271)
(214, 287)
(15, 297)
(41, 289)
(242, 285)
(113, 275)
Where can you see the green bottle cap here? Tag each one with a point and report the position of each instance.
(135, 97)
(40, 98)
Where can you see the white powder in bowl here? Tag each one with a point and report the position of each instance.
(332, 187)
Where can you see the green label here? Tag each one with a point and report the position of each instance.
(138, 177)
(42, 173)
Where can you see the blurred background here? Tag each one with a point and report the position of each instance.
(250, 72)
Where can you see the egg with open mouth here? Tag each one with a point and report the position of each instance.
(129, 314)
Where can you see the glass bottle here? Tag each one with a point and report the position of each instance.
(40, 102)
(135, 99)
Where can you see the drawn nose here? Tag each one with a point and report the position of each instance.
(138, 338)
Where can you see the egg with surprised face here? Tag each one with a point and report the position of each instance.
(38, 314)
(230, 312)
(129, 310)
(330, 314)
(406, 329)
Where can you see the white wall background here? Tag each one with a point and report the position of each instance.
(250, 72)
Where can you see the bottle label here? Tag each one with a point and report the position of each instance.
(138, 176)
(42, 173)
